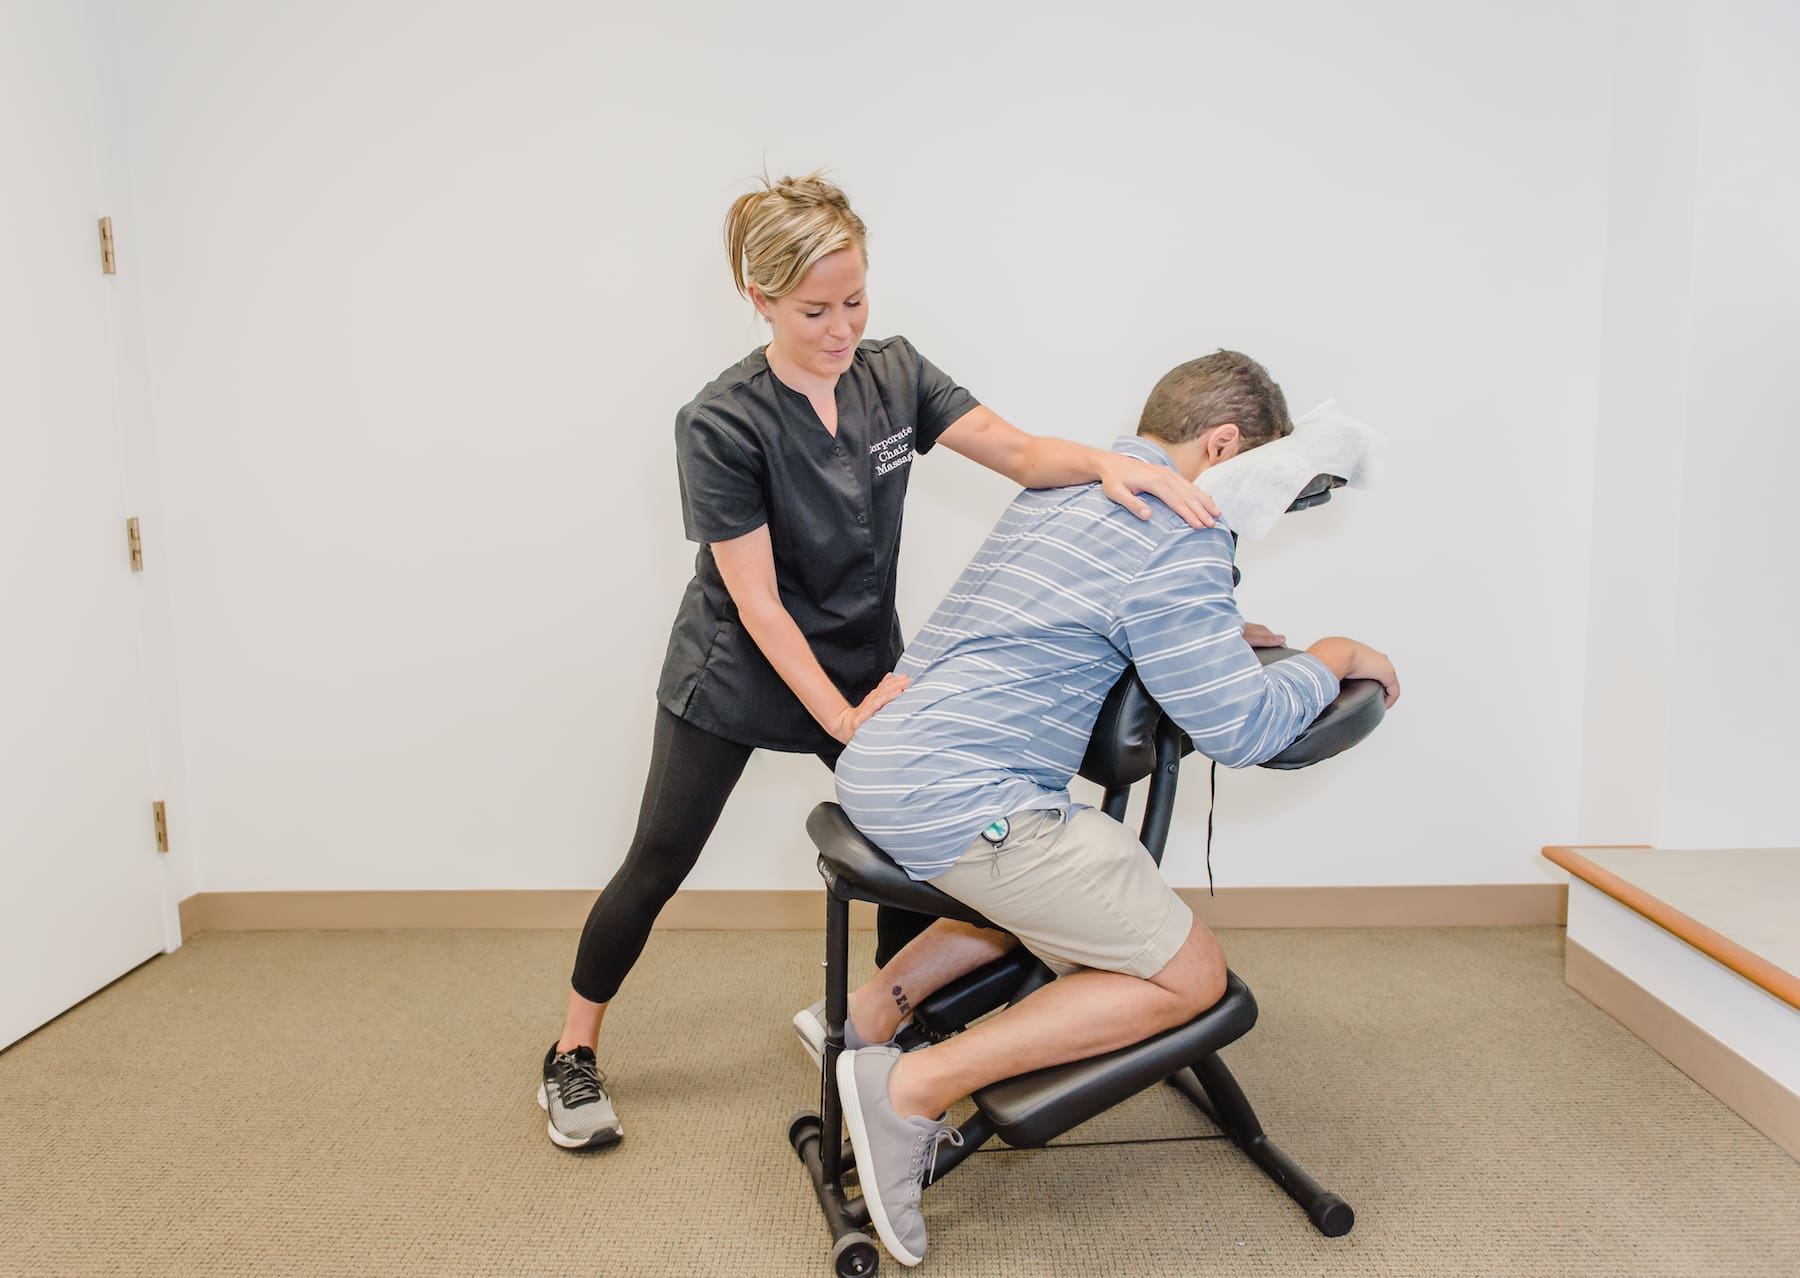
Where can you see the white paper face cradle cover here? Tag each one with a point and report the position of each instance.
(1254, 488)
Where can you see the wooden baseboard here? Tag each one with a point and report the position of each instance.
(550, 908)
(1757, 1098)
(1423, 905)
(1455, 905)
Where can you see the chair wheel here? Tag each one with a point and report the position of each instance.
(797, 1125)
(854, 1256)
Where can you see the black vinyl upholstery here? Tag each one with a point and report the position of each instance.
(1355, 713)
(1120, 753)
(1122, 750)
(1130, 734)
(857, 870)
(1033, 1109)
(1036, 1108)
(1317, 492)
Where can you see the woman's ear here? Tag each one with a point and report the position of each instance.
(760, 302)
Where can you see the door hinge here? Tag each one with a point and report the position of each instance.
(109, 259)
(136, 535)
(162, 826)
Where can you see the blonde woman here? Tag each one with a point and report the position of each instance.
(794, 465)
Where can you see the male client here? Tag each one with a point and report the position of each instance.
(963, 780)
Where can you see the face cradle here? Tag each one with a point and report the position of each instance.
(817, 326)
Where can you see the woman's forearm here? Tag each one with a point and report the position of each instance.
(747, 565)
(778, 637)
(1030, 461)
(1057, 463)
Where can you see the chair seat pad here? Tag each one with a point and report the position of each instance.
(1035, 1108)
(857, 870)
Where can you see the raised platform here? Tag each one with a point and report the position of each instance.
(1698, 953)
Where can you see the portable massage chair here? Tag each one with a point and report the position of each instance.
(1132, 740)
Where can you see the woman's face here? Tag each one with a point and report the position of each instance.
(818, 325)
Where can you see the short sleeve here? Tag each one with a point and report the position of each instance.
(721, 480)
(941, 402)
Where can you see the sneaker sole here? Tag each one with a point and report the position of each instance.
(859, 1141)
(803, 1028)
(605, 1136)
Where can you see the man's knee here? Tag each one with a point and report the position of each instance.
(1196, 975)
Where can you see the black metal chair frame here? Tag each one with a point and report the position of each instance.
(1132, 740)
(1203, 1079)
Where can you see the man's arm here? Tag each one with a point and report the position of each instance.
(1348, 659)
(1178, 622)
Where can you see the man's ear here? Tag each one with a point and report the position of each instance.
(1223, 442)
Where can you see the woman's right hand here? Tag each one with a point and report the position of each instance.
(853, 717)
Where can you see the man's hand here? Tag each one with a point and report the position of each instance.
(1262, 637)
(1348, 659)
(1375, 665)
(1123, 478)
(853, 717)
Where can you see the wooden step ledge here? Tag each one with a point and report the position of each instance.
(1759, 971)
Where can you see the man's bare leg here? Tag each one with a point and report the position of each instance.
(1080, 1015)
(931, 960)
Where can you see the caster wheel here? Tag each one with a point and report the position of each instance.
(854, 1256)
(797, 1125)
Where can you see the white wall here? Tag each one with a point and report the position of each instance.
(1735, 699)
(425, 283)
(1643, 421)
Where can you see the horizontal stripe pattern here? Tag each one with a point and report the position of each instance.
(1009, 674)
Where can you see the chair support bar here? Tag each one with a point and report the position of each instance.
(1212, 1089)
(1159, 803)
(837, 1004)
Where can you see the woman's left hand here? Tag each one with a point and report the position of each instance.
(1125, 477)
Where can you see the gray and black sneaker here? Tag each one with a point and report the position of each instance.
(893, 1154)
(574, 1094)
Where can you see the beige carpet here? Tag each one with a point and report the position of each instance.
(363, 1103)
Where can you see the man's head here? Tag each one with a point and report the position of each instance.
(1212, 408)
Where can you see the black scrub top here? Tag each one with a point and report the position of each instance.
(751, 451)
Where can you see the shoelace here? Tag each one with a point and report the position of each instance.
(926, 1157)
(581, 1082)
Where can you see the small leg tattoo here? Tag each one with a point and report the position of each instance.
(901, 1002)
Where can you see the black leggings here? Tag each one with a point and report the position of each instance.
(692, 773)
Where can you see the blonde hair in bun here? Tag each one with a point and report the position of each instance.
(773, 236)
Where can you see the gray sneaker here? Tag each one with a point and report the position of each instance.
(573, 1093)
(893, 1154)
(809, 1028)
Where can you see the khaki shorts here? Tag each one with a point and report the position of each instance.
(1078, 891)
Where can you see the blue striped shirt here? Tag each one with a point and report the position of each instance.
(1009, 674)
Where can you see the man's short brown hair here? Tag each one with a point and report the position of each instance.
(1228, 386)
